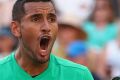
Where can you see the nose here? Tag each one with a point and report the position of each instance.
(45, 27)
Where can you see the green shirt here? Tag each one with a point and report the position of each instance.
(99, 38)
(58, 69)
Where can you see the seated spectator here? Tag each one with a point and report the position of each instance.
(77, 52)
(102, 27)
(67, 34)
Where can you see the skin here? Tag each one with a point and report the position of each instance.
(39, 20)
(102, 13)
(65, 40)
(6, 45)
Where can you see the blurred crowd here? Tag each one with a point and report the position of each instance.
(89, 34)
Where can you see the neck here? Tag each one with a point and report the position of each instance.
(101, 23)
(28, 64)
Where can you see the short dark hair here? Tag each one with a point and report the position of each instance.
(18, 8)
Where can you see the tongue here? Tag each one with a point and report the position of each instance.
(44, 43)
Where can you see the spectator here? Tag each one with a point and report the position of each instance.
(7, 41)
(67, 34)
(102, 27)
(77, 52)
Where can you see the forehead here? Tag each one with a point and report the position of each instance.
(38, 7)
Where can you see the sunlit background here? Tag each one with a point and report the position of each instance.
(89, 34)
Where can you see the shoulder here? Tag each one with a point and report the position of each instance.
(88, 23)
(5, 60)
(88, 26)
(69, 65)
(71, 68)
(5, 63)
(112, 26)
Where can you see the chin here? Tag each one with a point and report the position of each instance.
(42, 59)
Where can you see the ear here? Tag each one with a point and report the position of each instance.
(15, 29)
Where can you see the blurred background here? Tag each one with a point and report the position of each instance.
(89, 34)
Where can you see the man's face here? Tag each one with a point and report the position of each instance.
(64, 40)
(6, 44)
(38, 30)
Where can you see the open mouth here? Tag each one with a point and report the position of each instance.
(44, 42)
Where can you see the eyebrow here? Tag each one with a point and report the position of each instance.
(34, 15)
(52, 14)
(52, 11)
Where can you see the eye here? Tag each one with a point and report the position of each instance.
(52, 18)
(36, 18)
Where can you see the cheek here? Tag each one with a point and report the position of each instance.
(31, 28)
(54, 29)
(29, 33)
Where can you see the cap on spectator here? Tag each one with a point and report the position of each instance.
(77, 48)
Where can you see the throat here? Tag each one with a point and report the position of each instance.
(29, 67)
(35, 71)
